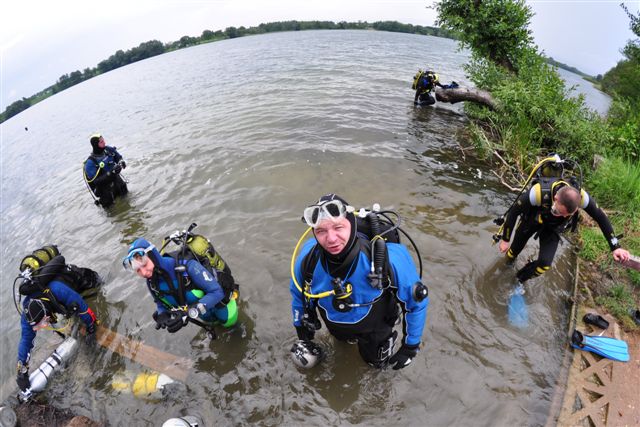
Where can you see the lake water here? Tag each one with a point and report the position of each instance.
(239, 136)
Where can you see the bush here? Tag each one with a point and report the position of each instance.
(536, 115)
(616, 185)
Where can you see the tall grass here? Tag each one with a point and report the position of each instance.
(616, 185)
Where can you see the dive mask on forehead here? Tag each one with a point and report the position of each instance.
(314, 214)
(137, 258)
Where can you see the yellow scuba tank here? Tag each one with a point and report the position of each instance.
(39, 258)
(416, 79)
(202, 247)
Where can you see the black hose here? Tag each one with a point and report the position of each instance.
(378, 248)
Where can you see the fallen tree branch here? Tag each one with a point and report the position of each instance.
(503, 181)
(461, 94)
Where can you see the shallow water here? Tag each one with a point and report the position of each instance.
(239, 136)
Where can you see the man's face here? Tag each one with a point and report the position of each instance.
(101, 143)
(333, 234)
(145, 267)
(558, 209)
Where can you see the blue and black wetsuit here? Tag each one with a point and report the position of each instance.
(103, 175)
(200, 286)
(370, 324)
(58, 296)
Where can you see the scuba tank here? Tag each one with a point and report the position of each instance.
(40, 377)
(144, 384)
(551, 166)
(186, 421)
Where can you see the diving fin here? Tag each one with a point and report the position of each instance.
(517, 308)
(610, 348)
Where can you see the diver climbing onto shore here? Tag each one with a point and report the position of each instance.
(546, 207)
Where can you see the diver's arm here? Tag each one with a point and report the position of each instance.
(72, 302)
(521, 206)
(407, 279)
(593, 210)
(205, 280)
(27, 337)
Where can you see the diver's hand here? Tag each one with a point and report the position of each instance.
(22, 378)
(117, 169)
(305, 334)
(176, 322)
(621, 255)
(161, 319)
(504, 246)
(90, 338)
(404, 356)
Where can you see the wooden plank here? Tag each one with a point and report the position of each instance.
(175, 367)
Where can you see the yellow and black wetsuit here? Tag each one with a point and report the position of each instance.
(534, 210)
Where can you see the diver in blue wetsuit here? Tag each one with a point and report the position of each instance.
(183, 289)
(332, 276)
(50, 291)
(102, 172)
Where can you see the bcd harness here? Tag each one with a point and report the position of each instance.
(199, 248)
(376, 232)
(40, 268)
(99, 163)
(545, 189)
(549, 173)
(429, 75)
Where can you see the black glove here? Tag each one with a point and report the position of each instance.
(124, 165)
(175, 323)
(161, 319)
(117, 169)
(404, 356)
(305, 334)
(23, 379)
(90, 338)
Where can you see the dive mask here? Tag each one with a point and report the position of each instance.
(314, 214)
(137, 258)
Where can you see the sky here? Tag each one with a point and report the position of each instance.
(40, 40)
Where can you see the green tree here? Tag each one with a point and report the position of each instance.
(493, 29)
(16, 108)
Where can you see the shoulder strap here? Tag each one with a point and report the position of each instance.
(309, 263)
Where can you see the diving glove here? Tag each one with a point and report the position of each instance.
(305, 334)
(23, 377)
(117, 169)
(175, 323)
(161, 319)
(90, 338)
(404, 356)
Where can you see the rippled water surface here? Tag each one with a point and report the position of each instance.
(239, 136)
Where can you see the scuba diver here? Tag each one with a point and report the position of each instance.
(193, 284)
(547, 210)
(101, 172)
(423, 83)
(356, 273)
(51, 288)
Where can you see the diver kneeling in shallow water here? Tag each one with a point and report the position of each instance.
(185, 286)
(357, 280)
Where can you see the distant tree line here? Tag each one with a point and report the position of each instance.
(574, 70)
(154, 47)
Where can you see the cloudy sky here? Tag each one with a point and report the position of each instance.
(40, 40)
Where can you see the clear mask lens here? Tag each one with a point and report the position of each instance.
(313, 215)
(136, 259)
